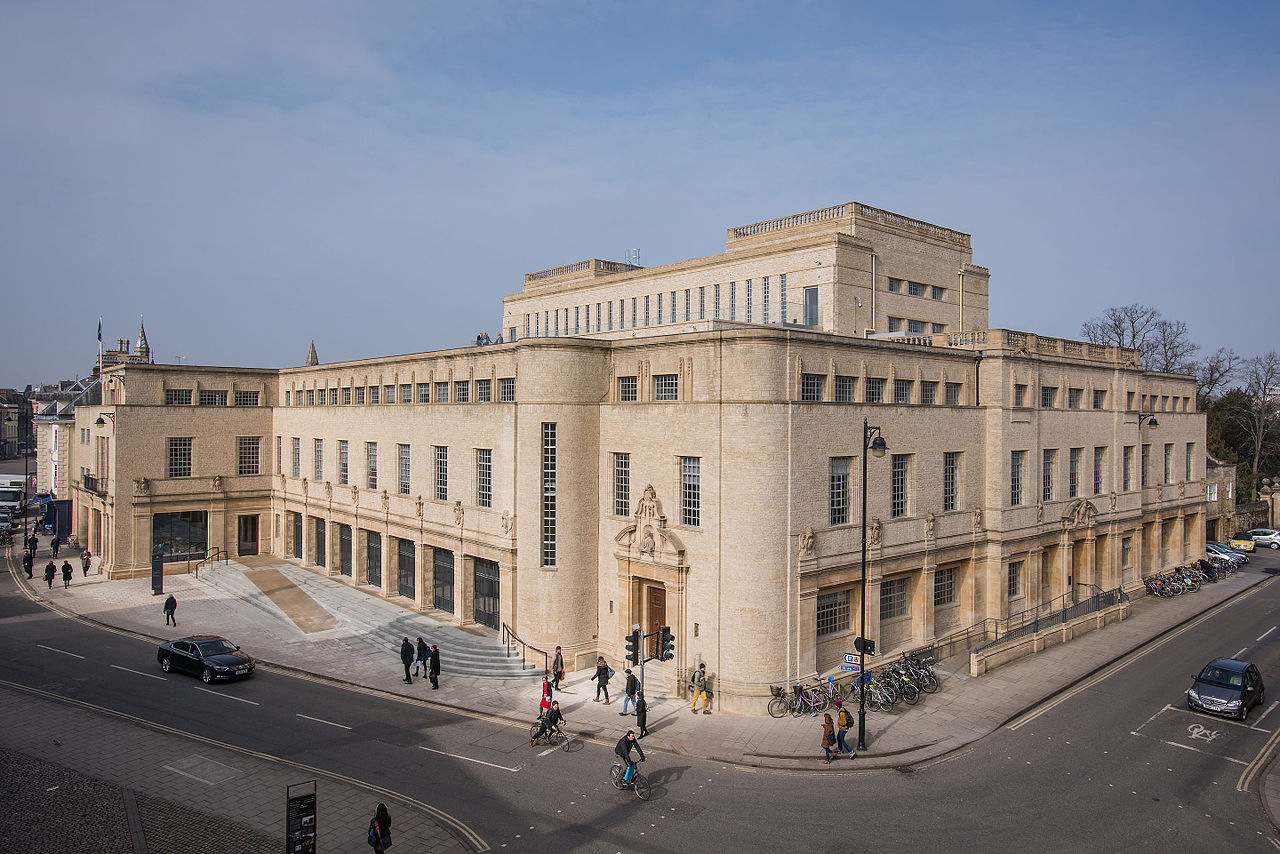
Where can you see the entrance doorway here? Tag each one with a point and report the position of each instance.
(442, 573)
(656, 616)
(486, 593)
(247, 535)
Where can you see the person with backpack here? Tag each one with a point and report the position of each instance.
(698, 688)
(843, 723)
(380, 829)
(603, 673)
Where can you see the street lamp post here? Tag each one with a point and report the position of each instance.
(877, 446)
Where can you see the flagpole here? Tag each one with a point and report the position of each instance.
(99, 348)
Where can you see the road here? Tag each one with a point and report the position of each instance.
(1114, 762)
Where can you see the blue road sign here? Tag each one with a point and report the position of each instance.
(851, 668)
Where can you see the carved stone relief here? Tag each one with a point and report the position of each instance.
(806, 543)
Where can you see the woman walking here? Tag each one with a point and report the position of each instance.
(547, 691)
(602, 680)
(380, 829)
(828, 737)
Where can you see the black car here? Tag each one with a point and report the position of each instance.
(1226, 687)
(209, 656)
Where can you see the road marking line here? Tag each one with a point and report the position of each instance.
(549, 750)
(1150, 719)
(1197, 750)
(323, 721)
(1267, 632)
(228, 696)
(1240, 652)
(192, 776)
(1251, 771)
(469, 759)
(1264, 714)
(140, 673)
(63, 651)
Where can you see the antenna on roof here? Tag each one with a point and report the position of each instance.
(631, 257)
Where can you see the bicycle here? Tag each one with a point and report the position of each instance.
(554, 736)
(809, 700)
(638, 783)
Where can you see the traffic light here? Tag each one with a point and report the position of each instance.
(633, 647)
(666, 644)
(866, 646)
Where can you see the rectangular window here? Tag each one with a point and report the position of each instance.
(915, 327)
(180, 456)
(1099, 398)
(895, 285)
(484, 477)
(928, 393)
(893, 598)
(812, 386)
(333, 396)
(1146, 465)
(691, 491)
(1073, 472)
(371, 464)
(311, 397)
(621, 484)
(782, 298)
(895, 324)
(659, 301)
(1015, 579)
(702, 303)
(177, 397)
(406, 393)
(1129, 398)
(346, 396)
(442, 473)
(1168, 463)
(319, 459)
(833, 613)
(279, 455)
(286, 398)
(939, 328)
(733, 300)
(484, 391)
(1074, 396)
(1191, 455)
(406, 471)
(1050, 463)
(844, 389)
(902, 391)
(748, 300)
(610, 314)
(950, 480)
(715, 298)
(246, 398)
(424, 392)
(1048, 397)
(764, 299)
(577, 319)
(1099, 468)
(953, 394)
(936, 292)
(1211, 491)
(507, 389)
(666, 387)
(874, 390)
(1017, 462)
(944, 587)
(212, 398)
(1019, 395)
(247, 448)
(915, 289)
(388, 394)
(295, 467)
(462, 391)
(839, 497)
(344, 462)
(442, 392)
(688, 297)
(548, 494)
(646, 310)
(1127, 472)
(898, 472)
(360, 396)
(374, 394)
(626, 389)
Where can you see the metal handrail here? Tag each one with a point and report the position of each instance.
(510, 639)
(214, 553)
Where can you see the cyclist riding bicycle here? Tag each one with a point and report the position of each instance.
(624, 748)
(549, 722)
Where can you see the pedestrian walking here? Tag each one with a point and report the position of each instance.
(843, 722)
(828, 737)
(54, 544)
(544, 703)
(406, 656)
(420, 662)
(28, 562)
(171, 610)
(33, 543)
(67, 572)
(50, 570)
(698, 687)
(630, 688)
(433, 669)
(557, 669)
(642, 714)
(380, 827)
(85, 557)
(603, 674)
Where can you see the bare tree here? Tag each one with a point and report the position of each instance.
(1165, 345)
(1215, 371)
(1259, 419)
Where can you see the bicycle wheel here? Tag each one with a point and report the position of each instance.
(798, 707)
(910, 693)
(533, 732)
(928, 682)
(641, 785)
(615, 775)
(778, 707)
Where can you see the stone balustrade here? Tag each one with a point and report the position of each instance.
(994, 341)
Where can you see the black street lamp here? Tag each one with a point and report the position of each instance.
(874, 443)
(1148, 418)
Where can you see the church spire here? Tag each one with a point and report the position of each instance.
(144, 349)
(312, 359)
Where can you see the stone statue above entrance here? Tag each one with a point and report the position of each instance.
(648, 534)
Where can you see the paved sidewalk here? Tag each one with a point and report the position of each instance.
(364, 651)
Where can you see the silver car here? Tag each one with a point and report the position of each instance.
(1266, 537)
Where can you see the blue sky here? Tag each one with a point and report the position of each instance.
(377, 176)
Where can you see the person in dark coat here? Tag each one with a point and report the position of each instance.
(631, 687)
(85, 557)
(557, 669)
(171, 610)
(67, 572)
(33, 543)
(380, 827)
(28, 563)
(602, 679)
(642, 715)
(54, 544)
(50, 570)
(406, 656)
(420, 661)
(433, 669)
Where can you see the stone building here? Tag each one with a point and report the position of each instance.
(681, 446)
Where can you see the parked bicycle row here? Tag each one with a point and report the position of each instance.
(1186, 579)
(906, 679)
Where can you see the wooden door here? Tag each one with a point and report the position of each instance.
(657, 614)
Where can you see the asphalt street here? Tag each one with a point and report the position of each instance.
(1116, 761)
